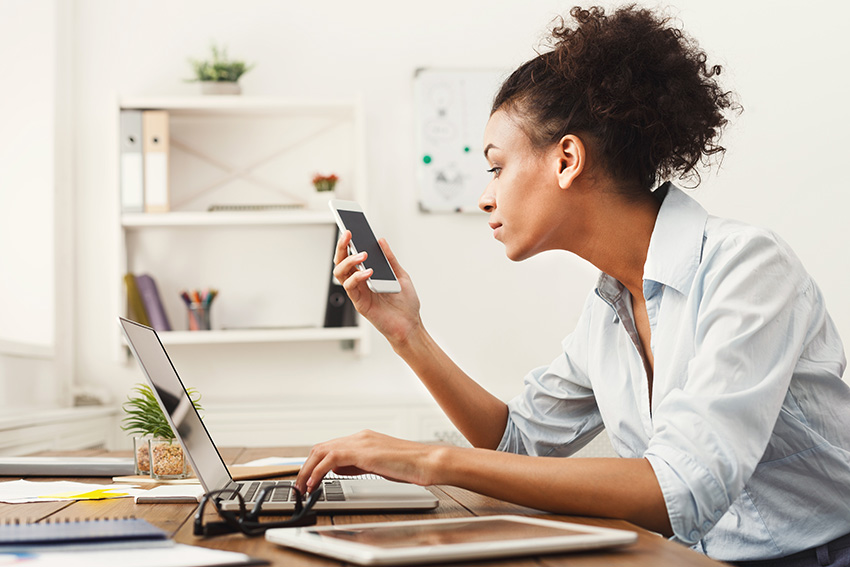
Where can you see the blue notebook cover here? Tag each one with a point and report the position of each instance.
(78, 532)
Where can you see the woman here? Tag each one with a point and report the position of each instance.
(705, 350)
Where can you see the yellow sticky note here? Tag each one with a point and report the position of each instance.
(98, 494)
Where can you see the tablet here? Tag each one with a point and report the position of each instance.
(450, 539)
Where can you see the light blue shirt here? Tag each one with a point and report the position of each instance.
(748, 431)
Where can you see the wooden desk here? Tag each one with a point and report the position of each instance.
(650, 550)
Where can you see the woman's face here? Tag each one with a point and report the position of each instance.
(523, 196)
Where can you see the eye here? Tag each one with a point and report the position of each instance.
(495, 171)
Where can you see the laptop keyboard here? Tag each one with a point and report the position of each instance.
(332, 491)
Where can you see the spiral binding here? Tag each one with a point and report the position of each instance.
(66, 520)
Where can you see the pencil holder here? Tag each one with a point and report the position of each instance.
(199, 317)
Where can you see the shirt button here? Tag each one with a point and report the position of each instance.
(694, 535)
(707, 525)
(718, 514)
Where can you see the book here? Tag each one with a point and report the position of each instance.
(245, 208)
(153, 305)
(135, 305)
(169, 494)
(47, 533)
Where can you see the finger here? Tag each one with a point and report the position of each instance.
(348, 266)
(310, 462)
(323, 467)
(354, 281)
(342, 247)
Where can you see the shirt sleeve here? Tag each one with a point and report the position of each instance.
(753, 315)
(556, 413)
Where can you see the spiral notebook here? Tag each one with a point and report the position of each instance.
(129, 542)
(14, 534)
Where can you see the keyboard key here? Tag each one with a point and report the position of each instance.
(250, 491)
(333, 491)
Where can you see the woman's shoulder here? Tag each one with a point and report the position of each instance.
(732, 245)
(724, 235)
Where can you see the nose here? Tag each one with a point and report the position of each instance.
(487, 200)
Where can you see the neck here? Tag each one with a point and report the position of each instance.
(618, 231)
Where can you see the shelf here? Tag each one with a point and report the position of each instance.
(201, 218)
(249, 150)
(239, 104)
(235, 336)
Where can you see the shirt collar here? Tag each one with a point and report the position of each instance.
(675, 247)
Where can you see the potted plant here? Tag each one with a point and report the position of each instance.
(219, 75)
(325, 186)
(154, 447)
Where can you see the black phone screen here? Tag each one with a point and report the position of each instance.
(364, 241)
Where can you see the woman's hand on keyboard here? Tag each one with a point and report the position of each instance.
(369, 452)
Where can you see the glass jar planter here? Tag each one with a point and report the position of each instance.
(167, 459)
(142, 454)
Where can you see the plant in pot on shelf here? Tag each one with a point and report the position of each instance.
(325, 186)
(219, 75)
(155, 449)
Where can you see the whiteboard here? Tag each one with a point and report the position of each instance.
(451, 109)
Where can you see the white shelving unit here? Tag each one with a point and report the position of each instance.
(262, 336)
(295, 217)
(272, 267)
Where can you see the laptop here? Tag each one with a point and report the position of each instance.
(338, 494)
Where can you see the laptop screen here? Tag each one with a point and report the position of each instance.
(174, 400)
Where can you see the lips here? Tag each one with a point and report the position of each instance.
(496, 226)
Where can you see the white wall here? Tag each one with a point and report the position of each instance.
(785, 168)
(29, 43)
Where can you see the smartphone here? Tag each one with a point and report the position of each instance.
(349, 216)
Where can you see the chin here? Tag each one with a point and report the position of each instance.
(516, 255)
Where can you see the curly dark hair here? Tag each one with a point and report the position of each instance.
(631, 81)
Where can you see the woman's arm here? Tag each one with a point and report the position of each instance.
(478, 415)
(611, 488)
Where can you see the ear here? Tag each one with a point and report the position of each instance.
(570, 159)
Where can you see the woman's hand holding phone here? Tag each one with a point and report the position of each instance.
(395, 315)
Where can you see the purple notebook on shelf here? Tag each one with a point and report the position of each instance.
(153, 306)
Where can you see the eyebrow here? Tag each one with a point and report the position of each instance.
(488, 148)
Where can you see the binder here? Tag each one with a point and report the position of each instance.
(155, 148)
(132, 166)
(339, 310)
(153, 304)
(135, 306)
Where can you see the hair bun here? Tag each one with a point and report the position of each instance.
(633, 81)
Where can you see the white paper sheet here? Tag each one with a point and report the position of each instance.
(178, 555)
(22, 491)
